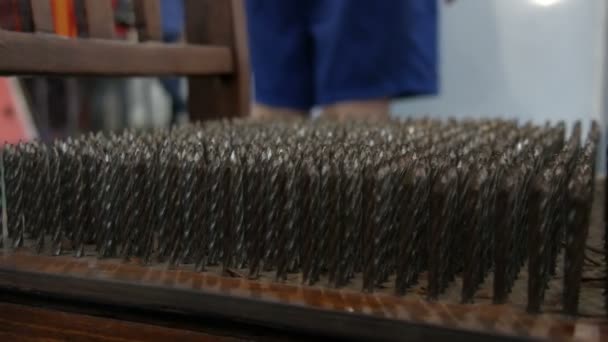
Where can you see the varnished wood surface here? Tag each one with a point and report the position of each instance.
(100, 19)
(26, 323)
(306, 309)
(25, 53)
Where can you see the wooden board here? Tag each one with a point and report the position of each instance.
(39, 324)
(100, 19)
(42, 16)
(148, 19)
(23, 53)
(308, 310)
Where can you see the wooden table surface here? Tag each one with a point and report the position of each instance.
(27, 323)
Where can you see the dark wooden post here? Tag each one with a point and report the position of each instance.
(100, 19)
(42, 16)
(219, 22)
(148, 20)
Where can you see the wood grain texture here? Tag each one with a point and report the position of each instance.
(241, 57)
(100, 19)
(23, 53)
(219, 23)
(25, 16)
(42, 16)
(148, 19)
(303, 309)
(18, 322)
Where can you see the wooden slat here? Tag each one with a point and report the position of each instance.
(80, 12)
(221, 23)
(148, 19)
(24, 53)
(329, 313)
(25, 13)
(100, 18)
(43, 16)
(44, 325)
(241, 57)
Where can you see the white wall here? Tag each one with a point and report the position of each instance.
(517, 58)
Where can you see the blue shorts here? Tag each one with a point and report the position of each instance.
(306, 53)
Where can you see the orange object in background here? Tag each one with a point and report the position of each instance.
(15, 120)
(64, 17)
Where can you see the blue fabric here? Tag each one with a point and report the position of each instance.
(172, 18)
(178, 103)
(317, 52)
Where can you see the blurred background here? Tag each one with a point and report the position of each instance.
(50, 108)
(532, 60)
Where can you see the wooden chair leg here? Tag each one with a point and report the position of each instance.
(219, 23)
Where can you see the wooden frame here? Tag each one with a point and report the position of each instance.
(114, 288)
(215, 57)
(220, 96)
(27, 323)
(51, 55)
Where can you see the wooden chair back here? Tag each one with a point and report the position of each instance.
(214, 56)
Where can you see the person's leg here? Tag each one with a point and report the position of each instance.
(178, 103)
(368, 110)
(368, 52)
(264, 112)
(281, 58)
(172, 84)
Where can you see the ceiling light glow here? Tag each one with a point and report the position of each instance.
(545, 3)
